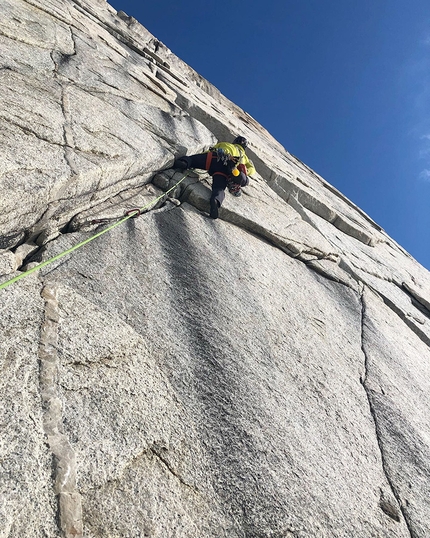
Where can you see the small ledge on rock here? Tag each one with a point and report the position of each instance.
(344, 225)
(48, 234)
(123, 15)
(417, 294)
(167, 180)
(331, 270)
(24, 251)
(10, 241)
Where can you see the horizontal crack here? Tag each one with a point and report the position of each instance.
(29, 131)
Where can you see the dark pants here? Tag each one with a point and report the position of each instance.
(221, 173)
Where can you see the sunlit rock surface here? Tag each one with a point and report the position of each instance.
(266, 374)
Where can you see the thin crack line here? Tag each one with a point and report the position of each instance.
(375, 421)
(156, 453)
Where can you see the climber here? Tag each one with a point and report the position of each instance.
(228, 165)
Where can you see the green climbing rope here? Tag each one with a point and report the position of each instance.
(82, 243)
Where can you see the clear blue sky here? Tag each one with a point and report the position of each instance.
(344, 85)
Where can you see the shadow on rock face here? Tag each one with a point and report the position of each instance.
(222, 398)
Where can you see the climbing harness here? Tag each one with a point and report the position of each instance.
(132, 213)
(223, 156)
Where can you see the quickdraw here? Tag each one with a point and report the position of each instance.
(130, 214)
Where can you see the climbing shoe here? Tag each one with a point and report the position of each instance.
(214, 209)
(233, 188)
(181, 163)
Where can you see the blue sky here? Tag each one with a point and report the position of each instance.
(341, 84)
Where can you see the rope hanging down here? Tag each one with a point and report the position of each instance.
(130, 214)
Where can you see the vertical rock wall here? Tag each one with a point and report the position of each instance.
(261, 375)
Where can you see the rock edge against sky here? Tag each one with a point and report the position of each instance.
(262, 375)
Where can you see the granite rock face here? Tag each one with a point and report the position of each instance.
(263, 375)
